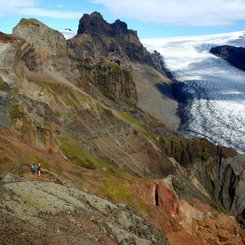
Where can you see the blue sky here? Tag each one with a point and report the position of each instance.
(151, 18)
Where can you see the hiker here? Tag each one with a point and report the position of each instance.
(39, 169)
(33, 168)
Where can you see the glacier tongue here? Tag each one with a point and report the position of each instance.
(216, 105)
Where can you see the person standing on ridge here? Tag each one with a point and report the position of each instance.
(39, 169)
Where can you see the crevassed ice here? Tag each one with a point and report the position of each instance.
(217, 111)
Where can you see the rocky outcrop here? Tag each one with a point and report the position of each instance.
(69, 214)
(34, 52)
(39, 34)
(234, 55)
(230, 186)
(219, 169)
(107, 51)
(180, 209)
(98, 39)
(113, 81)
(188, 151)
(49, 44)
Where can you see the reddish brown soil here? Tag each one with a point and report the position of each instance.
(218, 229)
(166, 216)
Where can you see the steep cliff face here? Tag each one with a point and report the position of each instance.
(230, 187)
(98, 39)
(35, 52)
(220, 170)
(113, 81)
(108, 51)
(187, 151)
(99, 43)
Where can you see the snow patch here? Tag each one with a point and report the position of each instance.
(68, 33)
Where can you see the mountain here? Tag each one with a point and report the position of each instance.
(234, 55)
(98, 41)
(112, 173)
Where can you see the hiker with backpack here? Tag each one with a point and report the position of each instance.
(33, 168)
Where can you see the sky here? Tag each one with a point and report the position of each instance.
(150, 18)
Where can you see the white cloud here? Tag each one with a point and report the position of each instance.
(30, 8)
(10, 7)
(179, 12)
(17, 3)
(39, 12)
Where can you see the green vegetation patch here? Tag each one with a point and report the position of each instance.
(166, 143)
(80, 157)
(136, 124)
(46, 85)
(64, 93)
(117, 191)
(71, 98)
(4, 86)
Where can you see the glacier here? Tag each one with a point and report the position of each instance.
(215, 90)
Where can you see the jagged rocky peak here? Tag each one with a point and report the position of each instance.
(92, 23)
(95, 24)
(101, 40)
(120, 27)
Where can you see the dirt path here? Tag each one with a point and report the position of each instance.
(25, 172)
